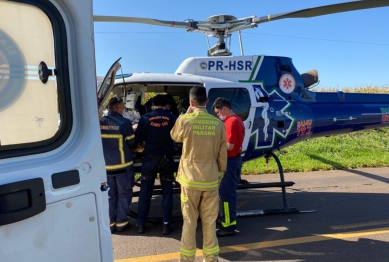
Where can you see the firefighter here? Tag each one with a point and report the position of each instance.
(203, 159)
(154, 131)
(117, 137)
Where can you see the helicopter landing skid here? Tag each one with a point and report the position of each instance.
(243, 184)
(283, 184)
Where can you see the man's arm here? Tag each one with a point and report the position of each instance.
(231, 134)
(177, 132)
(222, 156)
(128, 133)
(140, 132)
(230, 146)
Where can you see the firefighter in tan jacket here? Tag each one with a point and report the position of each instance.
(203, 161)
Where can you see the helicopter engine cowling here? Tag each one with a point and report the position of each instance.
(310, 78)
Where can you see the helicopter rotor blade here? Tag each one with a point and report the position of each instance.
(324, 10)
(224, 25)
(186, 25)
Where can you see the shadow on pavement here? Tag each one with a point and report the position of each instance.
(289, 237)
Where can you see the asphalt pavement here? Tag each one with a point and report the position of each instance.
(340, 216)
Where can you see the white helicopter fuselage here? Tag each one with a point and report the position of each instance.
(269, 94)
(231, 77)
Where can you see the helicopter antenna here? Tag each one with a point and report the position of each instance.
(229, 43)
(209, 47)
(240, 43)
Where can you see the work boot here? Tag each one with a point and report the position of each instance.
(141, 229)
(112, 226)
(167, 228)
(243, 182)
(225, 232)
(121, 226)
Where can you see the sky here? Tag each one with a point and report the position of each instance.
(349, 49)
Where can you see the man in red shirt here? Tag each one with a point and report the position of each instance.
(234, 134)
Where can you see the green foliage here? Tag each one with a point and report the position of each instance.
(369, 148)
(358, 89)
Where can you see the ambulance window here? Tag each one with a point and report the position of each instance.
(32, 78)
(238, 97)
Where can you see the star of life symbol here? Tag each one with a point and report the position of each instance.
(287, 83)
(268, 139)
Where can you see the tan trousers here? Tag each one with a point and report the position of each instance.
(205, 204)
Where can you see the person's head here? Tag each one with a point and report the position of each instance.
(170, 102)
(171, 105)
(116, 104)
(159, 101)
(222, 108)
(198, 96)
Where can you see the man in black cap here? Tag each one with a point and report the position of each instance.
(118, 136)
(154, 131)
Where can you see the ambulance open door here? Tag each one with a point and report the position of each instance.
(53, 198)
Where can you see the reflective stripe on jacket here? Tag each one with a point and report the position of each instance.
(204, 151)
(117, 136)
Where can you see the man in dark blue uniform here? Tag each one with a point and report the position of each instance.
(154, 130)
(118, 136)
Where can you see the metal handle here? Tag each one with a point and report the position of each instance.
(21, 200)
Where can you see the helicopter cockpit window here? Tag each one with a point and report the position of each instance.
(307, 95)
(238, 97)
(285, 68)
(30, 111)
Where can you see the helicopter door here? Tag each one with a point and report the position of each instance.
(53, 198)
(106, 86)
(239, 97)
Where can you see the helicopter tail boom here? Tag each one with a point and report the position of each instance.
(348, 113)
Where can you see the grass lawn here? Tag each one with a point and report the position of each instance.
(368, 148)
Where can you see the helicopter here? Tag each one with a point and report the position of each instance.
(53, 178)
(272, 98)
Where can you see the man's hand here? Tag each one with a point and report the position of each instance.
(189, 110)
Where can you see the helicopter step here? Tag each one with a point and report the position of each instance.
(245, 185)
(176, 187)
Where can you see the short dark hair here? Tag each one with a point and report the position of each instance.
(198, 94)
(113, 102)
(159, 100)
(221, 102)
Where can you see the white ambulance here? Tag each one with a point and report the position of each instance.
(53, 198)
